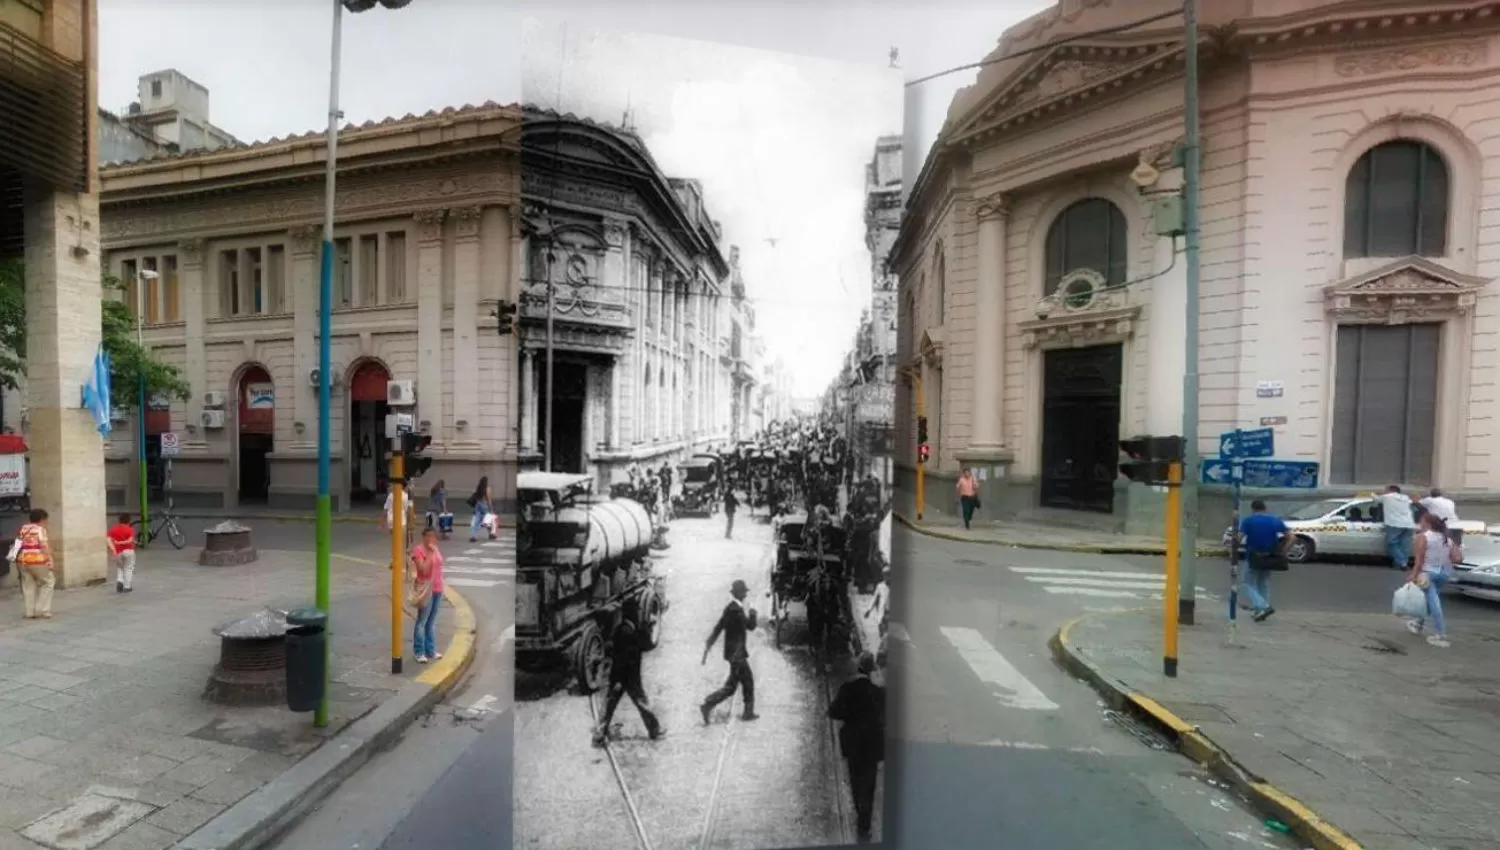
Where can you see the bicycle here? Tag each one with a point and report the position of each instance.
(167, 522)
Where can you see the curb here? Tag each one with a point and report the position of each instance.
(1085, 548)
(259, 818)
(307, 518)
(1191, 742)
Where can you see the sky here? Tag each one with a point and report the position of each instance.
(266, 62)
(780, 143)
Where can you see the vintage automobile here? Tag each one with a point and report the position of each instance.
(1344, 528)
(581, 560)
(699, 491)
(795, 559)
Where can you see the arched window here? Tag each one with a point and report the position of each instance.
(1396, 202)
(940, 295)
(1089, 234)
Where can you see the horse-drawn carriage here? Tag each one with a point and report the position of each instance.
(701, 482)
(809, 569)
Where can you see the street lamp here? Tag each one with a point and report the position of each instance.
(142, 279)
(321, 582)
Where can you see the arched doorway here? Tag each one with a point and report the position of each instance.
(367, 410)
(257, 429)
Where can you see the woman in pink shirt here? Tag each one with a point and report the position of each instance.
(427, 595)
(968, 495)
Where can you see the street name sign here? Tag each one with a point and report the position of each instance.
(1247, 443)
(1292, 474)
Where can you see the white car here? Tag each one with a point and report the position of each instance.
(1345, 528)
(1479, 574)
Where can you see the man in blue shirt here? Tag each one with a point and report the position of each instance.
(1265, 535)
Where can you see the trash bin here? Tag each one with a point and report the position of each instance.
(306, 658)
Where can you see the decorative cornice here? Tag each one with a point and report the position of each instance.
(190, 252)
(1413, 289)
(429, 225)
(995, 205)
(466, 221)
(614, 233)
(1412, 58)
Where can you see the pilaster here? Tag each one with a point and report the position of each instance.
(528, 401)
(987, 444)
(517, 280)
(430, 323)
(306, 245)
(466, 272)
(195, 365)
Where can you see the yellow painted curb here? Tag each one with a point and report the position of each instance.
(445, 672)
(1081, 548)
(1195, 745)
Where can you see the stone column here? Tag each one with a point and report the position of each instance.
(430, 322)
(63, 295)
(466, 271)
(514, 286)
(986, 452)
(306, 245)
(528, 401)
(195, 367)
(612, 432)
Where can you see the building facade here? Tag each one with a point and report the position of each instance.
(627, 281)
(1347, 262)
(426, 243)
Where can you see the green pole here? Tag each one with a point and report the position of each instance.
(142, 279)
(1192, 162)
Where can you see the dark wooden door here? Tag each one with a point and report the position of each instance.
(1081, 427)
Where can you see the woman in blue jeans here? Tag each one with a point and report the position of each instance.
(427, 558)
(1431, 569)
(480, 502)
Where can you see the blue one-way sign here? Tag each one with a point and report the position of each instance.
(1294, 474)
(1218, 470)
(1254, 442)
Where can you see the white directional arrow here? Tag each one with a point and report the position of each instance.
(1218, 473)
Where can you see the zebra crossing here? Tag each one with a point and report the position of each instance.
(488, 563)
(1099, 584)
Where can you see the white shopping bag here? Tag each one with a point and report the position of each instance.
(1409, 601)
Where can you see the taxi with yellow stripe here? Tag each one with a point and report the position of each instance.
(1344, 528)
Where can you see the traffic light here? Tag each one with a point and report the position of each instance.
(1150, 458)
(412, 446)
(505, 317)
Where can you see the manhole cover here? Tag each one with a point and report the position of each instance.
(1384, 647)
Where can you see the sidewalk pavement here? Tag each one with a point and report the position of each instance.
(372, 514)
(1344, 727)
(1056, 538)
(108, 744)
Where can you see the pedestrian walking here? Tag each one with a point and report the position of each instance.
(627, 645)
(1266, 537)
(881, 603)
(730, 504)
(1396, 514)
(438, 515)
(860, 707)
(408, 510)
(427, 596)
(1443, 507)
(33, 559)
(735, 624)
(481, 502)
(1432, 568)
(968, 495)
(120, 539)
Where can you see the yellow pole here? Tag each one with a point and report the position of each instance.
(1169, 593)
(916, 382)
(398, 557)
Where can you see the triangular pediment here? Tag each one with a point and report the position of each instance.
(1408, 275)
(1064, 72)
(1404, 290)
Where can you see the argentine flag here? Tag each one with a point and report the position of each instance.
(96, 391)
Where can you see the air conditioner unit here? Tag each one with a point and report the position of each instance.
(313, 375)
(213, 419)
(400, 393)
(213, 399)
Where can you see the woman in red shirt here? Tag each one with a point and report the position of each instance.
(121, 542)
(427, 594)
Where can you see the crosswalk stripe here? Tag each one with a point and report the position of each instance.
(471, 582)
(1049, 571)
(482, 571)
(1092, 591)
(1014, 689)
(469, 559)
(1117, 583)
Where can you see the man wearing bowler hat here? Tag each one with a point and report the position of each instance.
(735, 624)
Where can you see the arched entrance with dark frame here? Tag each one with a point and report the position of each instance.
(256, 398)
(367, 409)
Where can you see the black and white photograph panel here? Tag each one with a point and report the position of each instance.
(704, 450)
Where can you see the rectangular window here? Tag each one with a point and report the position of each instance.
(343, 272)
(276, 279)
(369, 270)
(171, 298)
(395, 267)
(255, 282)
(229, 283)
(151, 290)
(1385, 404)
(129, 282)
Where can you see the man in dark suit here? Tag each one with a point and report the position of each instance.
(860, 706)
(626, 646)
(730, 504)
(734, 624)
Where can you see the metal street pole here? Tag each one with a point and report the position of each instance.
(142, 279)
(1192, 162)
(322, 590)
(551, 312)
(398, 552)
